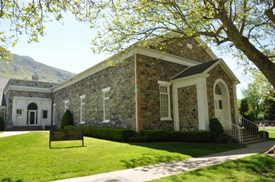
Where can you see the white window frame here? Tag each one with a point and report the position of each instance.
(82, 107)
(106, 119)
(54, 114)
(66, 105)
(166, 85)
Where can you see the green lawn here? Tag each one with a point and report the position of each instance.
(253, 169)
(27, 157)
(249, 169)
(271, 131)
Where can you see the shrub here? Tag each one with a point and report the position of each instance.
(67, 119)
(114, 134)
(217, 131)
(2, 124)
(215, 126)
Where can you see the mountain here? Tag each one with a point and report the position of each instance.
(23, 67)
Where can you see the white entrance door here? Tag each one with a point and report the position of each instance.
(219, 105)
(32, 119)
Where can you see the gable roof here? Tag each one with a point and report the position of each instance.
(205, 68)
(193, 70)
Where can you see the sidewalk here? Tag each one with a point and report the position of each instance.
(157, 171)
(11, 133)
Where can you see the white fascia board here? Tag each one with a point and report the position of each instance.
(165, 56)
(225, 68)
(188, 81)
(31, 98)
(28, 89)
(138, 50)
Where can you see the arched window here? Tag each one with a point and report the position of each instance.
(218, 90)
(32, 106)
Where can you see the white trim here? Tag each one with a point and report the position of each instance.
(167, 85)
(82, 96)
(104, 91)
(226, 100)
(66, 103)
(82, 104)
(136, 95)
(235, 101)
(138, 50)
(199, 81)
(28, 89)
(54, 114)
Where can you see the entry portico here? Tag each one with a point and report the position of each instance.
(207, 85)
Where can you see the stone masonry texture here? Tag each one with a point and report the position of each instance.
(120, 79)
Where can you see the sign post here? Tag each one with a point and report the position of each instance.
(65, 135)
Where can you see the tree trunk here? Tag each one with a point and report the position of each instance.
(266, 66)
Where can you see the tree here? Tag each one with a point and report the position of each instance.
(244, 28)
(244, 107)
(254, 99)
(67, 119)
(269, 108)
(29, 18)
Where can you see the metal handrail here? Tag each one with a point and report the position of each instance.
(252, 127)
(233, 130)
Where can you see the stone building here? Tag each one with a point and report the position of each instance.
(179, 88)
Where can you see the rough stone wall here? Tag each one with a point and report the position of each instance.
(188, 109)
(150, 71)
(215, 74)
(120, 78)
(179, 47)
(2, 112)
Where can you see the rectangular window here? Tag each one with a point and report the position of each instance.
(18, 113)
(54, 114)
(82, 109)
(106, 105)
(165, 107)
(44, 114)
(66, 103)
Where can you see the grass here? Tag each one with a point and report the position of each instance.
(271, 131)
(254, 168)
(27, 157)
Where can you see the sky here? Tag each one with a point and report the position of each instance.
(67, 46)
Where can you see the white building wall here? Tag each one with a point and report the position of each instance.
(21, 103)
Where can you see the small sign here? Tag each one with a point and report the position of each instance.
(65, 135)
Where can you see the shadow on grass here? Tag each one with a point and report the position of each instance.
(190, 149)
(10, 180)
(146, 159)
(256, 168)
(66, 147)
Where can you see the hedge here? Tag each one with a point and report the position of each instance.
(127, 135)
(114, 134)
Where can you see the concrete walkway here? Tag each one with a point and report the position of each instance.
(157, 171)
(11, 133)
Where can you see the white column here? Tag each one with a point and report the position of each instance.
(202, 104)
(175, 108)
(235, 102)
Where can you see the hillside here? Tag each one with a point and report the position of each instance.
(23, 67)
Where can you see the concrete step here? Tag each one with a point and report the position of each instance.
(249, 138)
(24, 128)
